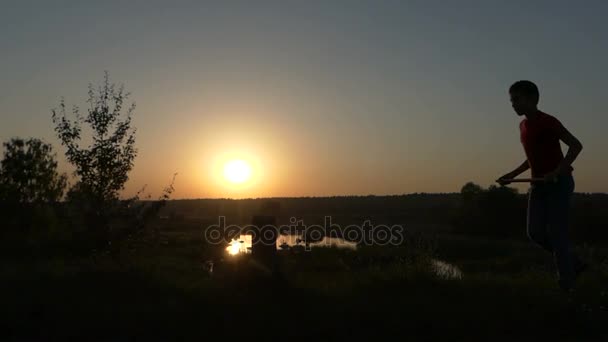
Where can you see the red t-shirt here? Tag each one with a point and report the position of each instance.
(540, 138)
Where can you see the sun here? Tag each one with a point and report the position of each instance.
(237, 171)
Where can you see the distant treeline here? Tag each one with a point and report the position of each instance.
(420, 209)
(495, 211)
(501, 211)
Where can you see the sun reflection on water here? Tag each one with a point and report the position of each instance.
(240, 245)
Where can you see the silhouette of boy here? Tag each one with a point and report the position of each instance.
(549, 199)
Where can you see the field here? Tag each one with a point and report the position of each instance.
(162, 289)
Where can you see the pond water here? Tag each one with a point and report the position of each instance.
(284, 242)
(242, 245)
(446, 270)
(291, 241)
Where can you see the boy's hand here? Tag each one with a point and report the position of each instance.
(504, 179)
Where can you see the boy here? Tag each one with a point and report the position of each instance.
(549, 199)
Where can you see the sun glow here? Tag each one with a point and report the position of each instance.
(237, 171)
(236, 174)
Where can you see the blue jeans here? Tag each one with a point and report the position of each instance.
(548, 206)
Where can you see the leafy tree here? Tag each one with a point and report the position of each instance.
(102, 158)
(470, 191)
(103, 166)
(28, 173)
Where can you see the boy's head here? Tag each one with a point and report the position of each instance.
(524, 97)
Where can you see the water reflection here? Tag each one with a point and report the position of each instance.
(446, 270)
(243, 244)
(286, 242)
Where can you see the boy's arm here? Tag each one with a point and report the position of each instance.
(519, 170)
(574, 148)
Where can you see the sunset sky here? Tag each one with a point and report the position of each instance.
(319, 97)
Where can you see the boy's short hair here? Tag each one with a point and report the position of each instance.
(527, 88)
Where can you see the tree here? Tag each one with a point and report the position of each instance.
(470, 191)
(102, 157)
(103, 166)
(28, 173)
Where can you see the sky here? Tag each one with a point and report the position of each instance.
(319, 97)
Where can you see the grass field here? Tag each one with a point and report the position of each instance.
(162, 291)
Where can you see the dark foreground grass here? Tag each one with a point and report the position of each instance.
(163, 293)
